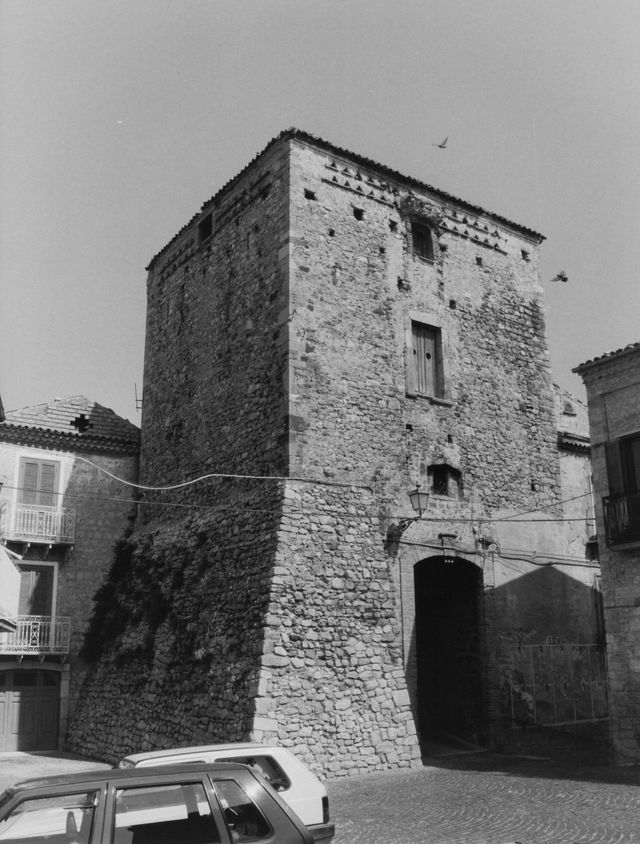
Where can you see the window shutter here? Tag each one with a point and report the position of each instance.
(29, 484)
(630, 463)
(47, 486)
(425, 358)
(614, 468)
(36, 590)
(38, 482)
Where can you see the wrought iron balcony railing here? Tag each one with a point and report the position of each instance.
(37, 523)
(622, 518)
(37, 634)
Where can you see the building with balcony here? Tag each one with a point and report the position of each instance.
(61, 512)
(613, 396)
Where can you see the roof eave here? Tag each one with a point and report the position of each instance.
(313, 140)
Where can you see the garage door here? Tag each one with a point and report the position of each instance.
(29, 702)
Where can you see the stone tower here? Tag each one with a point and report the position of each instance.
(322, 336)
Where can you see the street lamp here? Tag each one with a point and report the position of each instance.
(420, 502)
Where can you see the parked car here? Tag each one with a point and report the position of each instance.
(173, 804)
(302, 790)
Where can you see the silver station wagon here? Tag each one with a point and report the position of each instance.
(173, 804)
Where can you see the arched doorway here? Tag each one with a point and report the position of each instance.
(448, 595)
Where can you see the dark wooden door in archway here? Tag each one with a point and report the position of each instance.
(448, 598)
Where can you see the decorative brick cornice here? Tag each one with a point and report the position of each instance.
(394, 175)
(573, 442)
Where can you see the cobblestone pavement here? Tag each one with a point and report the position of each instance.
(489, 799)
(475, 798)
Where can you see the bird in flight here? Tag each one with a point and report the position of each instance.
(562, 276)
(442, 144)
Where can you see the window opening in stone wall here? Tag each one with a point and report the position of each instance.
(309, 194)
(393, 225)
(422, 240)
(445, 480)
(358, 213)
(440, 480)
(205, 228)
(427, 377)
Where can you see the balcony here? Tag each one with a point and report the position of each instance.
(36, 634)
(622, 518)
(37, 523)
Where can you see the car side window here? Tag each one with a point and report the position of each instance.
(65, 818)
(164, 814)
(245, 821)
(267, 767)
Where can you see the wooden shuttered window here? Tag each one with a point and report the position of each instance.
(614, 468)
(623, 465)
(36, 590)
(38, 482)
(426, 360)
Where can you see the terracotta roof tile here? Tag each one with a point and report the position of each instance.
(74, 415)
(625, 350)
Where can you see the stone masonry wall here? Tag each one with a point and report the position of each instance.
(613, 395)
(216, 344)
(215, 364)
(332, 682)
(355, 286)
(177, 639)
(104, 514)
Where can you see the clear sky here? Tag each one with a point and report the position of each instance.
(120, 117)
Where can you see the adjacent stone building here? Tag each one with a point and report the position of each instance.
(62, 509)
(613, 394)
(323, 336)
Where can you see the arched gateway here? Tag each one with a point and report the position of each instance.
(448, 648)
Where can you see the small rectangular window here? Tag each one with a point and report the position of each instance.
(422, 240)
(440, 480)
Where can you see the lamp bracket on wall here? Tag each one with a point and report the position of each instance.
(420, 503)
